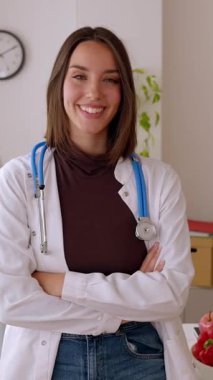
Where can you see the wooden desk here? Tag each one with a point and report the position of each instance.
(202, 256)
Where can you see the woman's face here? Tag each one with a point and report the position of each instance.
(91, 91)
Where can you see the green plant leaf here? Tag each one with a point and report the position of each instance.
(157, 118)
(146, 92)
(149, 94)
(156, 98)
(152, 83)
(144, 121)
(144, 153)
(139, 71)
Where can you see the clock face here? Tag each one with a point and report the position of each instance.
(11, 54)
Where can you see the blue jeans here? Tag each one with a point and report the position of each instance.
(134, 352)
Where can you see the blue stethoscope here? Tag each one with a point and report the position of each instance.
(145, 229)
(38, 180)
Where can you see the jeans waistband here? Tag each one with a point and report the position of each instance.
(124, 327)
(132, 325)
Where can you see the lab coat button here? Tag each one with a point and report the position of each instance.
(126, 193)
(44, 342)
(33, 233)
(29, 175)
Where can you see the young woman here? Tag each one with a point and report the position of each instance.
(100, 303)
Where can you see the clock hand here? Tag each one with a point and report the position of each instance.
(7, 51)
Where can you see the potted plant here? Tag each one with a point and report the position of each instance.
(148, 116)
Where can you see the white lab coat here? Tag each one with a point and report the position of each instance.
(90, 303)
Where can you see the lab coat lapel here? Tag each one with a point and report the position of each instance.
(125, 175)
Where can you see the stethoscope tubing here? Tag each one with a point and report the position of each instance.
(39, 185)
(38, 175)
(38, 181)
(41, 165)
(140, 186)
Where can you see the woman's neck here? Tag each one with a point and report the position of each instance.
(94, 145)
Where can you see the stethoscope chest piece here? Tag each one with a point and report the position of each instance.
(145, 229)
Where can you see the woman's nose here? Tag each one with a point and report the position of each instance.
(94, 90)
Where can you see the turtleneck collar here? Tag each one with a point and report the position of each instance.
(87, 163)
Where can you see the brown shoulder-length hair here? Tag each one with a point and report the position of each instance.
(122, 129)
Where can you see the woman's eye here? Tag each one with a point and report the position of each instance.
(79, 77)
(112, 80)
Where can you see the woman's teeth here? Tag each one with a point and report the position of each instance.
(91, 109)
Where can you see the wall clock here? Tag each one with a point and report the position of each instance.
(11, 54)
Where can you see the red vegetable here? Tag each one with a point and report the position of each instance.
(206, 323)
(196, 349)
(203, 337)
(206, 355)
(203, 349)
(208, 343)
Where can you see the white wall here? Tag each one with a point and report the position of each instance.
(187, 99)
(43, 25)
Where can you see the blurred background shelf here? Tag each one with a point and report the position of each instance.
(202, 256)
(200, 299)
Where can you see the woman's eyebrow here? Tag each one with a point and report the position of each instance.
(111, 71)
(80, 67)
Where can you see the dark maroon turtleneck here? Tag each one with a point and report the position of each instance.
(98, 227)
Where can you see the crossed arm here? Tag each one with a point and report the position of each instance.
(52, 283)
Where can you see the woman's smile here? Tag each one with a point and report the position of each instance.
(92, 111)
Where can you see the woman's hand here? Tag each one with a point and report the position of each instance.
(150, 261)
(52, 283)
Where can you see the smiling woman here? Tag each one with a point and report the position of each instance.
(113, 74)
(103, 301)
(91, 95)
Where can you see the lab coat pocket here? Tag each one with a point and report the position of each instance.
(178, 359)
